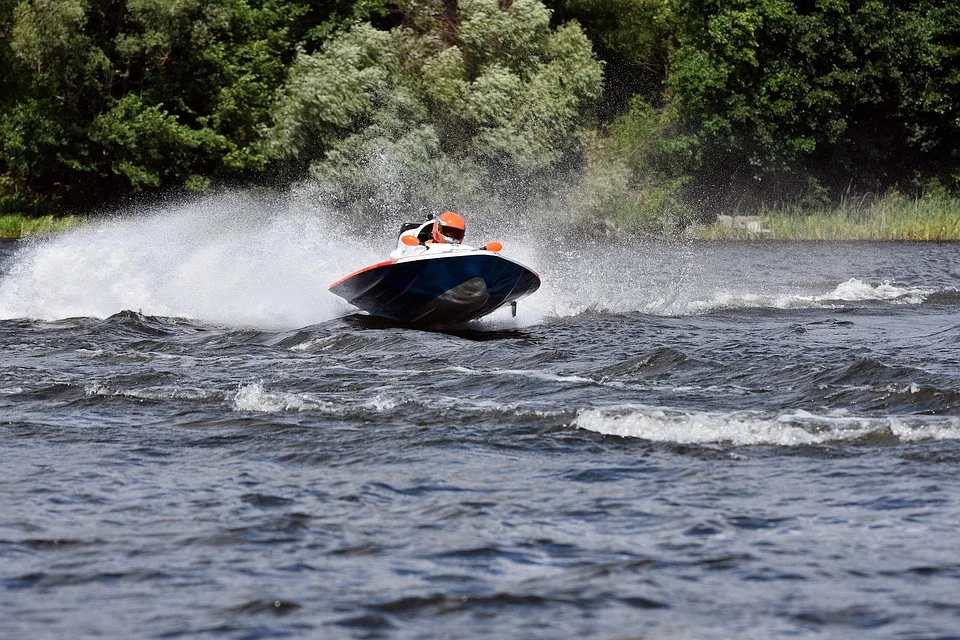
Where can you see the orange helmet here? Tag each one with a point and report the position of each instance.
(449, 228)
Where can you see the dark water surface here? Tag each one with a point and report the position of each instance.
(705, 441)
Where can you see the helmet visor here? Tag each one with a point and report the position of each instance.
(453, 233)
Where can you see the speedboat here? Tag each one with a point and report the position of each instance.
(440, 285)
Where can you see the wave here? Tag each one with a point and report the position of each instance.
(253, 397)
(754, 428)
(440, 409)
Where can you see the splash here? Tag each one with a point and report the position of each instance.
(605, 276)
(242, 260)
(234, 259)
(231, 259)
(753, 428)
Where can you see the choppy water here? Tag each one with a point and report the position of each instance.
(691, 441)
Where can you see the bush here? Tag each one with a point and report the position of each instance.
(418, 117)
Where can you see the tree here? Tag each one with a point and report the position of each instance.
(632, 37)
(784, 95)
(110, 97)
(419, 116)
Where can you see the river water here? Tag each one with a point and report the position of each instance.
(670, 441)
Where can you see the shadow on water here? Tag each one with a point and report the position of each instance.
(465, 331)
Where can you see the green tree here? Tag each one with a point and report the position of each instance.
(632, 37)
(52, 68)
(449, 100)
(784, 96)
(110, 97)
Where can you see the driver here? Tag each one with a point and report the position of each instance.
(447, 228)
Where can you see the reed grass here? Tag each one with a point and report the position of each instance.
(891, 217)
(18, 225)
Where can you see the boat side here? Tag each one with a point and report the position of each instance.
(438, 288)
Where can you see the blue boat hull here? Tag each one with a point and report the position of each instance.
(442, 290)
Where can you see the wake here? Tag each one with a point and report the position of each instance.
(238, 260)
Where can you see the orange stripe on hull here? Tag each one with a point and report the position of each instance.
(359, 271)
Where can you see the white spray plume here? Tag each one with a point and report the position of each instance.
(231, 259)
(242, 260)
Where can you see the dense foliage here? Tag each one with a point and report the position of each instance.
(791, 97)
(633, 38)
(487, 99)
(667, 109)
(115, 96)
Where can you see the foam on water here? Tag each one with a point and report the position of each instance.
(254, 397)
(753, 428)
(855, 289)
(257, 397)
(101, 389)
(676, 279)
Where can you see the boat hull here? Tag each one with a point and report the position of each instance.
(437, 290)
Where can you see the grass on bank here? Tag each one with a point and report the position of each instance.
(18, 225)
(892, 217)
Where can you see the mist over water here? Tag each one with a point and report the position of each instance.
(678, 440)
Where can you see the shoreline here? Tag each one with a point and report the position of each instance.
(931, 217)
(893, 218)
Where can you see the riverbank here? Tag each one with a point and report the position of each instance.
(18, 226)
(892, 217)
